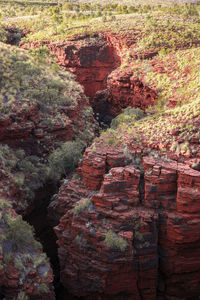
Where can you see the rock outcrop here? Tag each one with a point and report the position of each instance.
(130, 230)
(129, 219)
(123, 89)
(44, 115)
(51, 110)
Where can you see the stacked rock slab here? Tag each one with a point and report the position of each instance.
(152, 208)
(124, 89)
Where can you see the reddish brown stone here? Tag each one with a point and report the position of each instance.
(158, 217)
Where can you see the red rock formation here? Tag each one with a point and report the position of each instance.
(40, 110)
(130, 228)
(29, 130)
(123, 90)
(24, 128)
(175, 189)
(155, 213)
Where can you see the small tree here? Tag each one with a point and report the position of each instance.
(41, 53)
(56, 17)
(3, 33)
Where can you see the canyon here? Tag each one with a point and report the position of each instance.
(96, 61)
(127, 220)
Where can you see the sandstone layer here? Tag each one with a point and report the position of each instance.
(97, 63)
(129, 225)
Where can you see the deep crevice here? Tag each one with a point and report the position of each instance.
(45, 234)
(141, 187)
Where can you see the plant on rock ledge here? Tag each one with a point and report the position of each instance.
(112, 240)
(81, 205)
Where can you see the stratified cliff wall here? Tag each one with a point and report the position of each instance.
(130, 231)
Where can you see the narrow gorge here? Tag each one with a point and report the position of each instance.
(125, 224)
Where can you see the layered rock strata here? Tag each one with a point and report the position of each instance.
(133, 230)
(40, 111)
(30, 129)
(123, 89)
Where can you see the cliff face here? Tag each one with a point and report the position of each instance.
(130, 230)
(44, 115)
(123, 90)
(29, 128)
(128, 227)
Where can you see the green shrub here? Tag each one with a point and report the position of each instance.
(128, 116)
(65, 158)
(81, 205)
(77, 177)
(41, 53)
(7, 258)
(138, 236)
(80, 241)
(22, 296)
(112, 240)
(39, 260)
(43, 288)
(4, 204)
(18, 264)
(3, 34)
(19, 232)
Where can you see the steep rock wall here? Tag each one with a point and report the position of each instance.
(155, 211)
(40, 111)
(123, 89)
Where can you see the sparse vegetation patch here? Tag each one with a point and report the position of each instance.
(113, 241)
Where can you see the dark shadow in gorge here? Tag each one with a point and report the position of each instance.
(102, 110)
(44, 232)
(14, 35)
